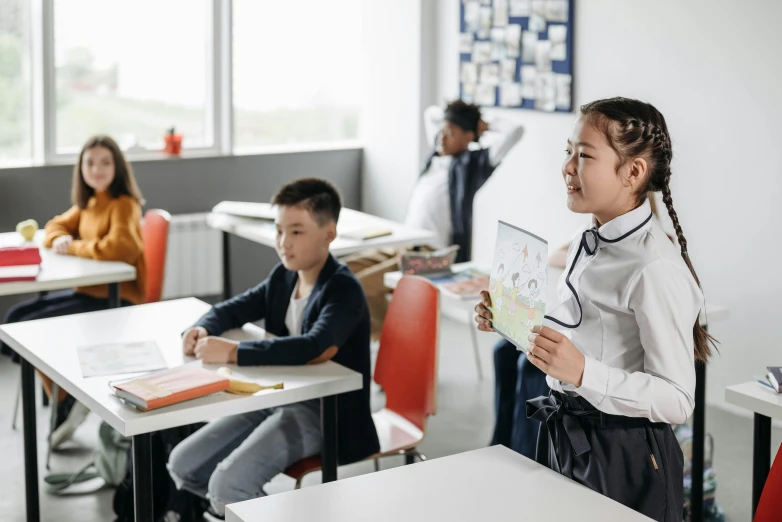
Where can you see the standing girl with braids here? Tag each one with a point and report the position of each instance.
(619, 350)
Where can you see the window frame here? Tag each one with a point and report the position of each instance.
(218, 110)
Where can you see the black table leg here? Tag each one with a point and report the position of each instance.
(328, 433)
(142, 477)
(44, 397)
(761, 457)
(226, 266)
(698, 442)
(30, 443)
(114, 295)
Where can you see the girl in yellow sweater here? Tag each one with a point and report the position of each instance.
(104, 223)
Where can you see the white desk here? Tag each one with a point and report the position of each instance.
(62, 272)
(58, 272)
(162, 322)
(493, 483)
(766, 405)
(264, 232)
(711, 315)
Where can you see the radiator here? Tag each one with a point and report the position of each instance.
(194, 260)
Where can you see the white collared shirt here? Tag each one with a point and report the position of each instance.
(640, 304)
(430, 205)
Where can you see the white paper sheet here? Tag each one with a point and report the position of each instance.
(118, 358)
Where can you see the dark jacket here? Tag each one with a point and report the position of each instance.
(336, 315)
(466, 175)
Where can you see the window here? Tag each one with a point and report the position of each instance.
(15, 92)
(297, 71)
(225, 74)
(131, 70)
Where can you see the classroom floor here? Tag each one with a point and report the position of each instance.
(463, 422)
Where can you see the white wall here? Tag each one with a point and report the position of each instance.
(712, 68)
(391, 127)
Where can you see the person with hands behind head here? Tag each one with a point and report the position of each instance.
(619, 350)
(316, 309)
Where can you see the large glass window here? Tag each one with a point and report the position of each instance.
(131, 70)
(297, 71)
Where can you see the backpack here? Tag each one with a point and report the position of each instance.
(108, 463)
(168, 503)
(711, 511)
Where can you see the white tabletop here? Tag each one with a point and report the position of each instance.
(753, 397)
(50, 345)
(712, 314)
(61, 272)
(264, 232)
(493, 483)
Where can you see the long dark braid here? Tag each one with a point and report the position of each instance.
(637, 129)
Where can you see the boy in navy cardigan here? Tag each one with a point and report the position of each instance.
(317, 310)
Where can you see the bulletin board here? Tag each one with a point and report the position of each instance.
(517, 54)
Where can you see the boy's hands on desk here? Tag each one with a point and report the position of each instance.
(191, 337)
(216, 350)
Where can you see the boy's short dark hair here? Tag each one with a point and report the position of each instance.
(464, 115)
(319, 196)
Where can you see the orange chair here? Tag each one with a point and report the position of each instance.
(155, 237)
(406, 369)
(770, 504)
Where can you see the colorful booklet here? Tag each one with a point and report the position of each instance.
(518, 283)
(171, 386)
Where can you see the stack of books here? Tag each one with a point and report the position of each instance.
(19, 263)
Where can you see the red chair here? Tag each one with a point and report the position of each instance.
(770, 505)
(154, 234)
(406, 369)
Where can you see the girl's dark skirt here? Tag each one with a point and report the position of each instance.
(631, 460)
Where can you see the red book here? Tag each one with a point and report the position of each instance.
(17, 256)
(171, 386)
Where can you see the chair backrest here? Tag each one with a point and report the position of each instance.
(155, 236)
(406, 365)
(770, 504)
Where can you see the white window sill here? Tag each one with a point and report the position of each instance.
(298, 147)
(141, 157)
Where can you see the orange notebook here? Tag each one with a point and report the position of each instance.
(165, 387)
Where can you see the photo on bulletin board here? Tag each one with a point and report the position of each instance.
(517, 54)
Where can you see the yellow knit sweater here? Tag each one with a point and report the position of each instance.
(109, 229)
